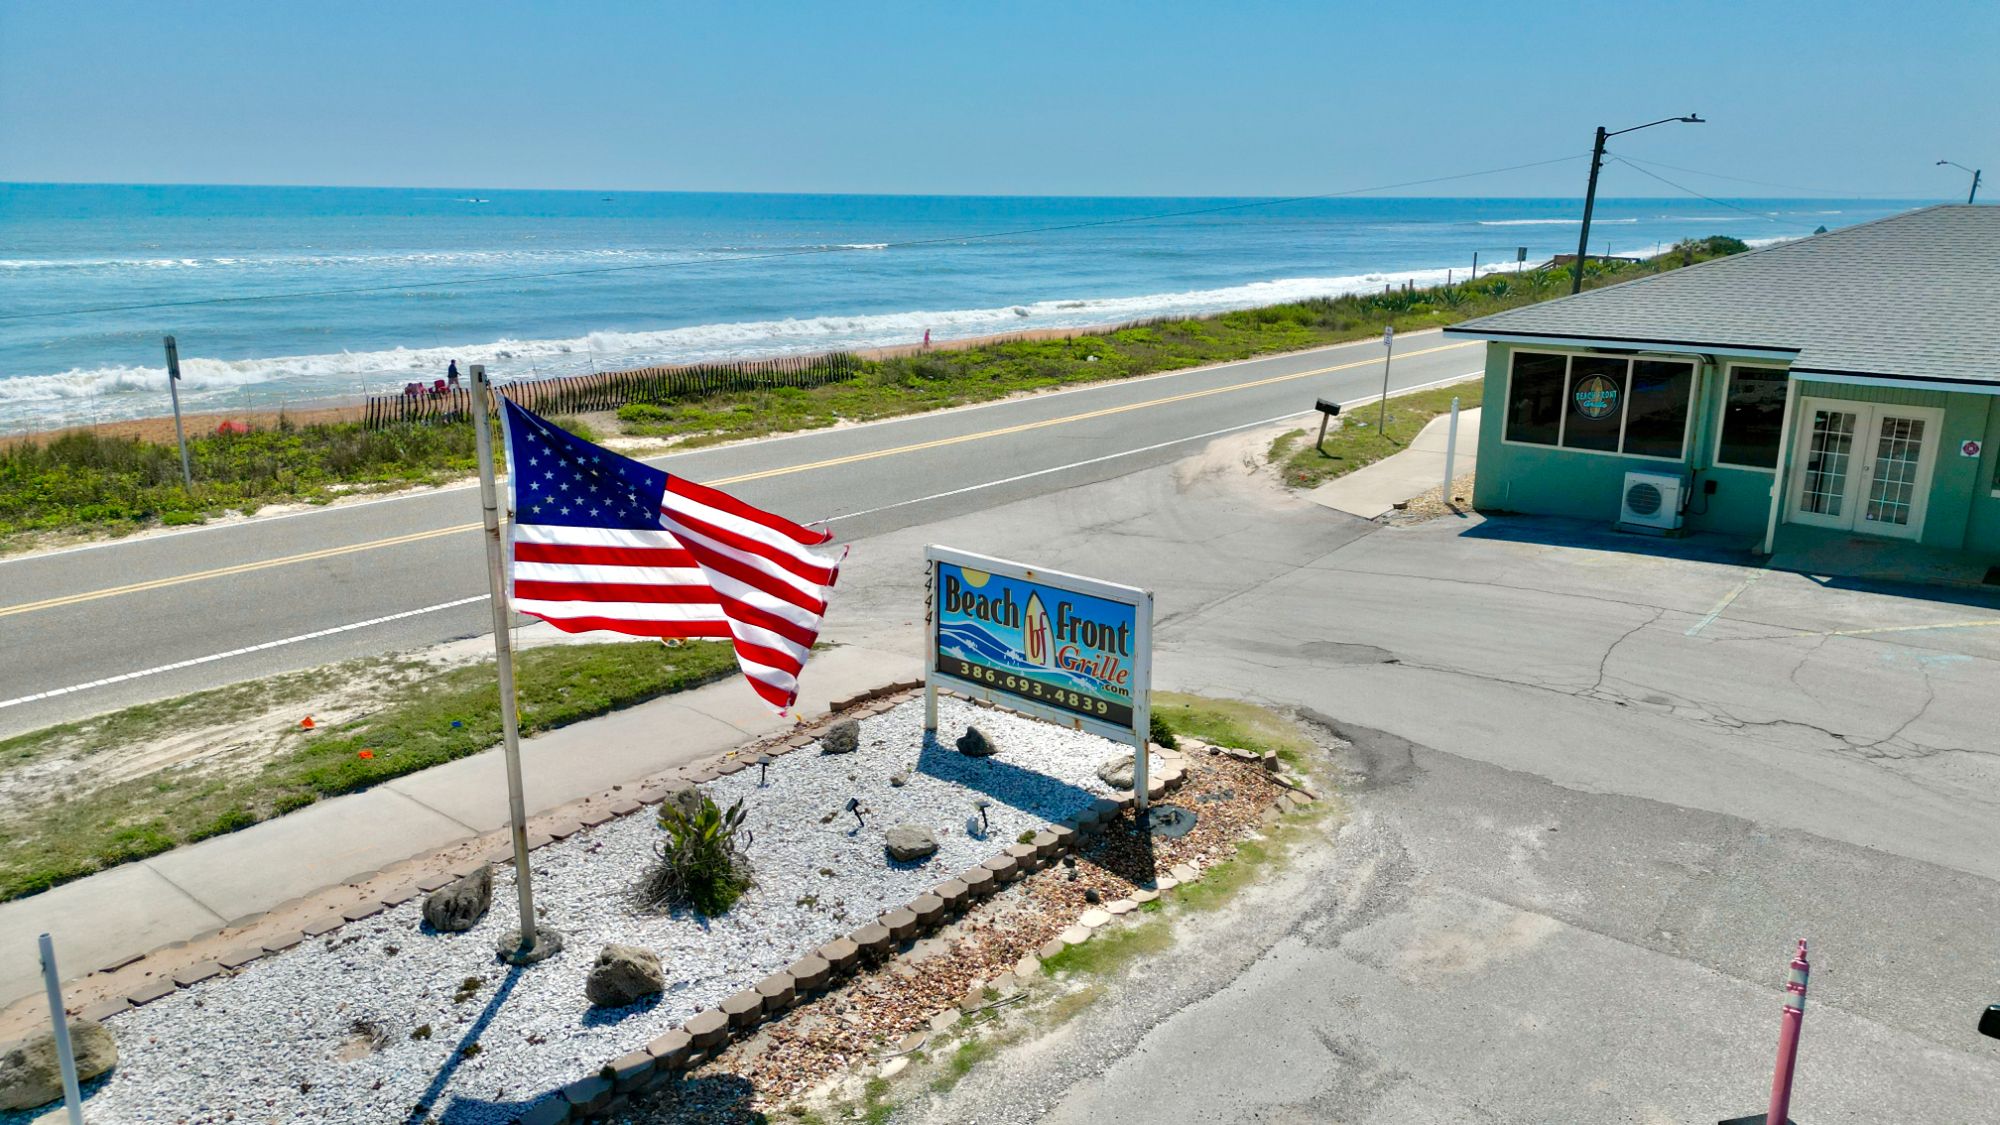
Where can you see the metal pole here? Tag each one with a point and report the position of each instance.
(1450, 449)
(1974, 193)
(1788, 1039)
(510, 727)
(1475, 265)
(1589, 202)
(72, 1097)
(1389, 343)
(174, 391)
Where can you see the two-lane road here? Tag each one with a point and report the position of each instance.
(95, 628)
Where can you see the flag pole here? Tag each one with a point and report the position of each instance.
(530, 943)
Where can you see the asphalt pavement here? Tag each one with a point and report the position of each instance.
(152, 617)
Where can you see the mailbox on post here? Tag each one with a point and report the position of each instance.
(1326, 410)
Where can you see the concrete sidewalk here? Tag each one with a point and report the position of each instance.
(1374, 489)
(136, 907)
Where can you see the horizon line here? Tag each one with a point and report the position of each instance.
(1329, 197)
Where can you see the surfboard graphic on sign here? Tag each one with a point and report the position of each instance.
(1035, 634)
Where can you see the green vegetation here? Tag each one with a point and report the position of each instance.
(81, 480)
(414, 724)
(1357, 442)
(1229, 722)
(700, 865)
(85, 482)
(1111, 949)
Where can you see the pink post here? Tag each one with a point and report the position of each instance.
(1788, 1040)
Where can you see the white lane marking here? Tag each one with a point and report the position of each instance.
(373, 621)
(235, 652)
(1131, 452)
(453, 486)
(1695, 629)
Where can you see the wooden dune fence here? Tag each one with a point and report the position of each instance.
(609, 390)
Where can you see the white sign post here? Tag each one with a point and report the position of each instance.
(1389, 344)
(65, 1057)
(1450, 450)
(1060, 647)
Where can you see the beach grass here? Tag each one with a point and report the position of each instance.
(1355, 440)
(85, 483)
(417, 722)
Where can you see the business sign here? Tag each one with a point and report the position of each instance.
(1596, 397)
(1072, 650)
(1968, 448)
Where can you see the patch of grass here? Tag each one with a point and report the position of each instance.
(1229, 722)
(74, 835)
(1357, 441)
(1070, 1005)
(117, 484)
(1110, 949)
(1281, 446)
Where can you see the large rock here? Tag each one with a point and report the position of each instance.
(909, 842)
(624, 974)
(1117, 773)
(684, 796)
(974, 744)
(30, 1076)
(841, 738)
(457, 907)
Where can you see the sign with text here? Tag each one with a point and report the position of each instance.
(1072, 650)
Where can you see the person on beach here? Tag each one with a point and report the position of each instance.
(451, 373)
(927, 339)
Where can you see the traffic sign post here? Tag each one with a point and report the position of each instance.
(1388, 343)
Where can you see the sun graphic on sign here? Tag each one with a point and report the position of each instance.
(974, 578)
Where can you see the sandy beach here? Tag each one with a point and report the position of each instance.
(160, 428)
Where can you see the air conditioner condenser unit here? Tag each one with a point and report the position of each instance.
(1651, 502)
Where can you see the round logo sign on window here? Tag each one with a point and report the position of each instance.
(1596, 397)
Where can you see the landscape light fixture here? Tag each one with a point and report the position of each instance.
(854, 806)
(763, 770)
(1590, 193)
(981, 805)
(1970, 195)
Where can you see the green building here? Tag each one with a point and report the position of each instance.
(1824, 393)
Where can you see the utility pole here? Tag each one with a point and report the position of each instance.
(1974, 193)
(174, 390)
(1590, 193)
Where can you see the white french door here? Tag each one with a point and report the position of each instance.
(1863, 466)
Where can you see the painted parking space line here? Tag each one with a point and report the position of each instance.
(1980, 624)
(235, 652)
(1709, 619)
(765, 474)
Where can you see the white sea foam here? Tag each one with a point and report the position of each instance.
(1552, 222)
(33, 401)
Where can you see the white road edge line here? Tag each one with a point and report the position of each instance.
(373, 621)
(1142, 449)
(235, 652)
(414, 494)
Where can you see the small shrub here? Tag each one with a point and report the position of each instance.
(701, 865)
(1027, 836)
(1161, 732)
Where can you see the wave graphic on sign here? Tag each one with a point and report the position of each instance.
(973, 642)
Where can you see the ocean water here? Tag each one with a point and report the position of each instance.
(292, 295)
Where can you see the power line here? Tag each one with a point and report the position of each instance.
(1709, 198)
(800, 252)
(1816, 192)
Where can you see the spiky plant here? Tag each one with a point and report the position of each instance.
(701, 860)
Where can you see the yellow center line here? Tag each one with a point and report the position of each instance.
(810, 466)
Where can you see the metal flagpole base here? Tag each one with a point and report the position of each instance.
(547, 944)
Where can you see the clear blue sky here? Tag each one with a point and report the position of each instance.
(1060, 98)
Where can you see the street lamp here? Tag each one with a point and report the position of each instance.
(1590, 195)
(1963, 168)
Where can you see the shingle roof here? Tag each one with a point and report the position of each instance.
(1912, 296)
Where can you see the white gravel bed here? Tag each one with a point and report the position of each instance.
(286, 1040)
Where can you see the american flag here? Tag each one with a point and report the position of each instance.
(601, 541)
